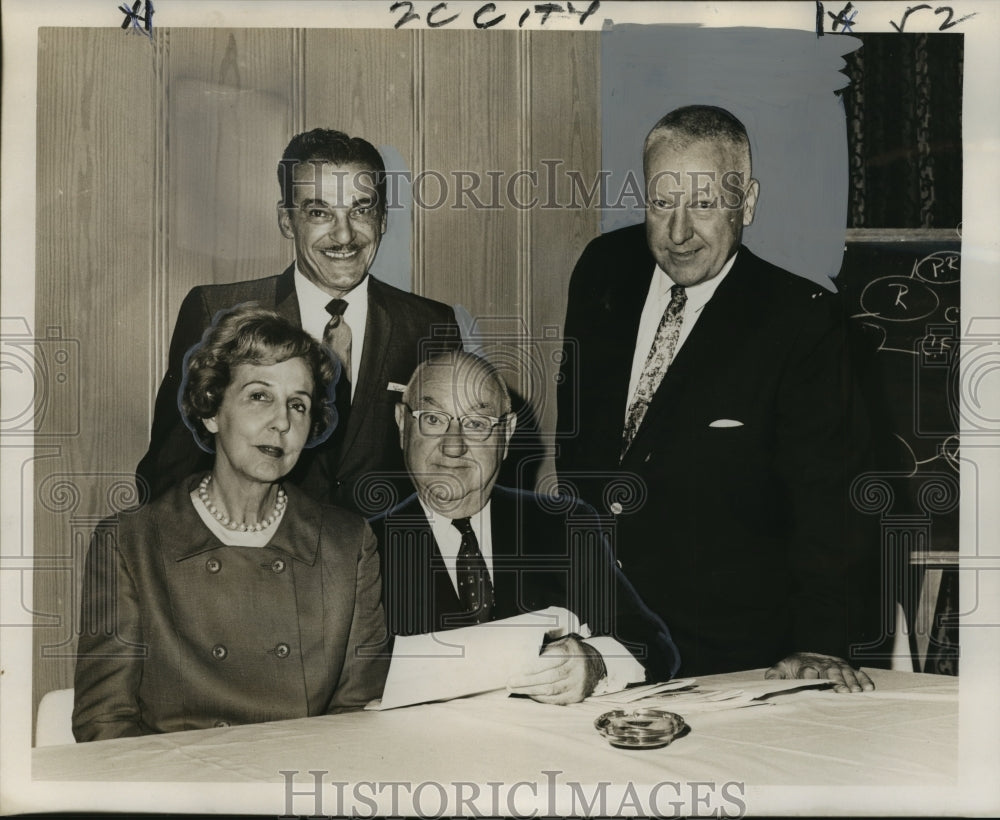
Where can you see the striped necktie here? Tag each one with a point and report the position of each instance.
(337, 336)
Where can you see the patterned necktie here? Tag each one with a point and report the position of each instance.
(475, 589)
(337, 336)
(657, 362)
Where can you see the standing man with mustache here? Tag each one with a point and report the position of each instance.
(333, 207)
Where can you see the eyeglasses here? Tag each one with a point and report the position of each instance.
(321, 215)
(474, 427)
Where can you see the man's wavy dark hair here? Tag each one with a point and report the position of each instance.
(325, 145)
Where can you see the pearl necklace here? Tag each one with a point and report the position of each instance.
(279, 508)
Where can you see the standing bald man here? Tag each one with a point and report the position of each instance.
(705, 403)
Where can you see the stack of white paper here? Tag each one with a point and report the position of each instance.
(468, 660)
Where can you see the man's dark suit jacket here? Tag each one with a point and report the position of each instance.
(546, 552)
(732, 501)
(360, 466)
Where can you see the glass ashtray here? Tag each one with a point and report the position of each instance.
(641, 728)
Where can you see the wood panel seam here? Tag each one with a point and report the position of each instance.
(524, 233)
(417, 278)
(160, 320)
(298, 80)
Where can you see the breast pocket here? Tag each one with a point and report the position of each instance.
(724, 438)
(730, 457)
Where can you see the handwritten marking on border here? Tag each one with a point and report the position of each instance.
(133, 18)
(949, 21)
(436, 15)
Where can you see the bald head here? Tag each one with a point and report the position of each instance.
(704, 123)
(455, 423)
(474, 380)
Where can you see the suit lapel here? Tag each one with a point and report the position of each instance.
(617, 327)
(418, 590)
(446, 605)
(720, 325)
(505, 526)
(447, 611)
(286, 302)
(371, 369)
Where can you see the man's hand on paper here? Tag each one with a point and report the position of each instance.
(566, 672)
(812, 665)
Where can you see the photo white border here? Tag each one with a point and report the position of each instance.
(977, 791)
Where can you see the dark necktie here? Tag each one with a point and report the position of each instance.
(475, 589)
(337, 337)
(660, 355)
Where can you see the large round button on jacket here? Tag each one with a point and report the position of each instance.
(213, 565)
(282, 650)
(219, 652)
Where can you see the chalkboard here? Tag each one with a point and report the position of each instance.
(902, 302)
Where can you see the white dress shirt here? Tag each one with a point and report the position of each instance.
(657, 300)
(620, 665)
(312, 311)
(449, 539)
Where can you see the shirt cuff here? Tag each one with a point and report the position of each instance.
(621, 666)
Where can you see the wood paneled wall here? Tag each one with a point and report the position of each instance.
(155, 168)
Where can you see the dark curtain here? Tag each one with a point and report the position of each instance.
(904, 131)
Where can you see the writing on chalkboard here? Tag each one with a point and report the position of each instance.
(485, 17)
(898, 298)
(905, 308)
(906, 300)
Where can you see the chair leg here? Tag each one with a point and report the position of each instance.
(903, 657)
(923, 624)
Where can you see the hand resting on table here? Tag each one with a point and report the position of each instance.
(812, 665)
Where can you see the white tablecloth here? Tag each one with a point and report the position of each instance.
(904, 733)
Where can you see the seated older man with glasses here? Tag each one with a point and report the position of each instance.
(463, 551)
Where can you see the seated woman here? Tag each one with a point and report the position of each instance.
(232, 598)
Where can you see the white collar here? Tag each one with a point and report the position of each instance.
(309, 292)
(449, 539)
(697, 295)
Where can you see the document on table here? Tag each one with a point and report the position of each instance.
(645, 691)
(468, 660)
(685, 695)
